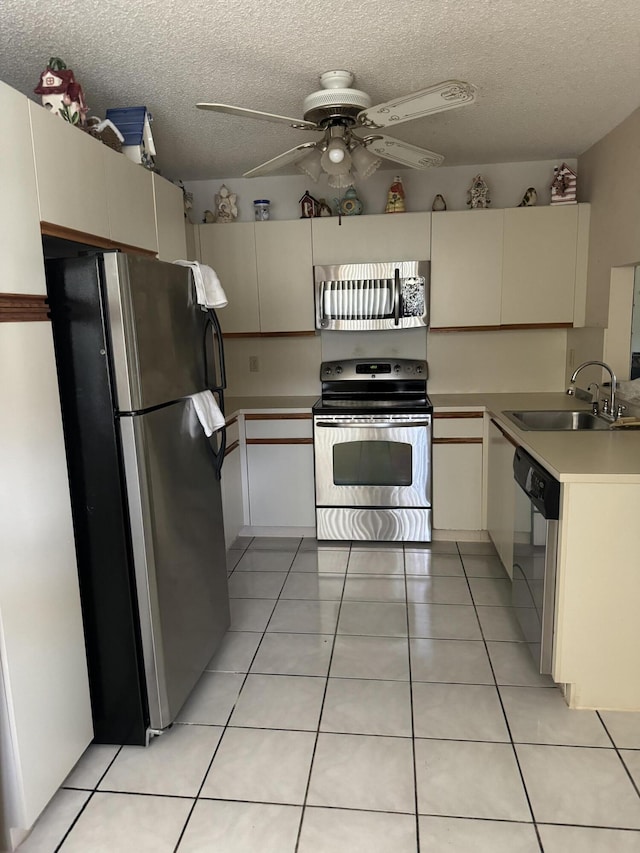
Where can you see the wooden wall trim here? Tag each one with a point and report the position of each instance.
(234, 420)
(450, 415)
(51, 230)
(269, 334)
(233, 446)
(279, 441)
(504, 327)
(292, 416)
(457, 440)
(23, 308)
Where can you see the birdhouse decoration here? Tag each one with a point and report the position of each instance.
(563, 186)
(134, 123)
(61, 93)
(478, 194)
(395, 197)
(309, 206)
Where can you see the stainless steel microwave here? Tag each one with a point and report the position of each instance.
(355, 297)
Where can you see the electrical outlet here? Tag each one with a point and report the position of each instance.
(254, 364)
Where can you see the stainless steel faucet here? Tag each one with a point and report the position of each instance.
(610, 409)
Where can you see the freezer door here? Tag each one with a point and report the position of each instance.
(179, 551)
(160, 337)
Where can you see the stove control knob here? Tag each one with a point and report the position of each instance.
(327, 371)
(419, 368)
(338, 370)
(409, 368)
(396, 368)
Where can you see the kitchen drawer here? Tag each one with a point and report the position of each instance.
(457, 425)
(279, 426)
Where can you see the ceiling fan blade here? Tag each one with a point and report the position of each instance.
(278, 162)
(402, 152)
(447, 95)
(245, 113)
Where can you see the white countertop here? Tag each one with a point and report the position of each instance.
(603, 456)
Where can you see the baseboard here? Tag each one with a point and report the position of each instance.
(278, 531)
(460, 536)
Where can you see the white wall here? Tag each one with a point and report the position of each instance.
(507, 184)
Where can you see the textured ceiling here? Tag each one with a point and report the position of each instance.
(552, 78)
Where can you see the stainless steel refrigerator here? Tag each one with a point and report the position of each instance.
(131, 346)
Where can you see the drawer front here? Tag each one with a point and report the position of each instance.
(458, 425)
(298, 426)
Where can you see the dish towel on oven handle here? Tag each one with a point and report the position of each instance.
(208, 412)
(209, 291)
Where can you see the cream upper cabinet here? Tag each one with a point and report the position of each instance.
(285, 276)
(369, 239)
(170, 221)
(71, 174)
(21, 264)
(466, 268)
(230, 249)
(132, 218)
(539, 266)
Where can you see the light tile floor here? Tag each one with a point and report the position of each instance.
(366, 698)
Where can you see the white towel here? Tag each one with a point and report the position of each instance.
(208, 412)
(209, 291)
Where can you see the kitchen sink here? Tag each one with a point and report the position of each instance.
(560, 420)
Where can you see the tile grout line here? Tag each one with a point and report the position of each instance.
(413, 728)
(230, 714)
(504, 713)
(324, 696)
(618, 753)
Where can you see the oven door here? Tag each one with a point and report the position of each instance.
(373, 461)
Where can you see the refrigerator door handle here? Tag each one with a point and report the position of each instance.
(217, 330)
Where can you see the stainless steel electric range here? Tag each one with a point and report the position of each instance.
(372, 444)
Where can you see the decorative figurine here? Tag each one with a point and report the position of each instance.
(105, 131)
(478, 194)
(350, 204)
(61, 93)
(439, 203)
(563, 187)
(323, 208)
(395, 197)
(226, 210)
(187, 200)
(308, 206)
(530, 198)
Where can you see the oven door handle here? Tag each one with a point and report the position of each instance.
(370, 425)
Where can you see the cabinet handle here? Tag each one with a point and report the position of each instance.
(505, 434)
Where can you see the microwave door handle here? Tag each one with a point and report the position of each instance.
(396, 298)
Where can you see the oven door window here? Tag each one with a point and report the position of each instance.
(372, 463)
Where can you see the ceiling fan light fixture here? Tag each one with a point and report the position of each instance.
(336, 160)
(364, 162)
(311, 165)
(341, 181)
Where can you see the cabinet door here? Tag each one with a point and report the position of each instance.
(457, 486)
(281, 490)
(539, 267)
(21, 264)
(363, 239)
(466, 268)
(170, 221)
(500, 495)
(232, 505)
(132, 217)
(285, 276)
(231, 250)
(46, 714)
(70, 171)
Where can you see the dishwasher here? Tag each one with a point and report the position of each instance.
(535, 551)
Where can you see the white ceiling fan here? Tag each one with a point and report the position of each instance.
(348, 124)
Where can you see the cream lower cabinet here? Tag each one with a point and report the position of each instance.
(280, 479)
(369, 239)
(232, 492)
(457, 471)
(500, 493)
(466, 268)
